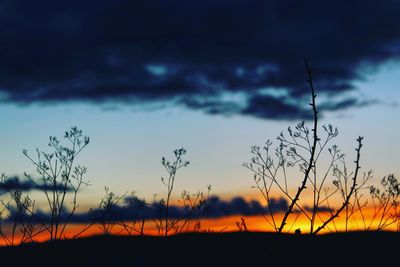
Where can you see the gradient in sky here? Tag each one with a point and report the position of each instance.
(142, 78)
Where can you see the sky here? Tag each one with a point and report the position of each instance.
(142, 78)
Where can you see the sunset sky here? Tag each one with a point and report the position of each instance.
(144, 77)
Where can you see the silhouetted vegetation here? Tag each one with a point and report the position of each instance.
(212, 249)
(304, 148)
(385, 200)
(19, 209)
(194, 204)
(104, 215)
(135, 224)
(61, 177)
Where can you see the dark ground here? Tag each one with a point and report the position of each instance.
(224, 249)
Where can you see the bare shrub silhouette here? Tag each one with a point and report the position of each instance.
(135, 224)
(385, 201)
(60, 177)
(18, 209)
(128, 213)
(343, 184)
(105, 214)
(194, 204)
(120, 211)
(169, 182)
(302, 147)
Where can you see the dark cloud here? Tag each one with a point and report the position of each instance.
(136, 209)
(239, 206)
(193, 53)
(273, 107)
(26, 185)
(215, 208)
(320, 209)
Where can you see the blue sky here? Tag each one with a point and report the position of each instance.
(127, 144)
(142, 78)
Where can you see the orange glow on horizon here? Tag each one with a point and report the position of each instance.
(229, 224)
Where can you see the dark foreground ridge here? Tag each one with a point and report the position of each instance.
(212, 249)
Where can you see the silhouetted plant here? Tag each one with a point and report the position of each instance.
(169, 182)
(300, 147)
(136, 207)
(385, 202)
(191, 210)
(106, 213)
(159, 206)
(343, 184)
(194, 206)
(241, 225)
(347, 196)
(60, 177)
(18, 211)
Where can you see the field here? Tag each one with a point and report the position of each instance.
(212, 249)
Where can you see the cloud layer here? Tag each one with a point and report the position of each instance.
(15, 183)
(138, 210)
(220, 57)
